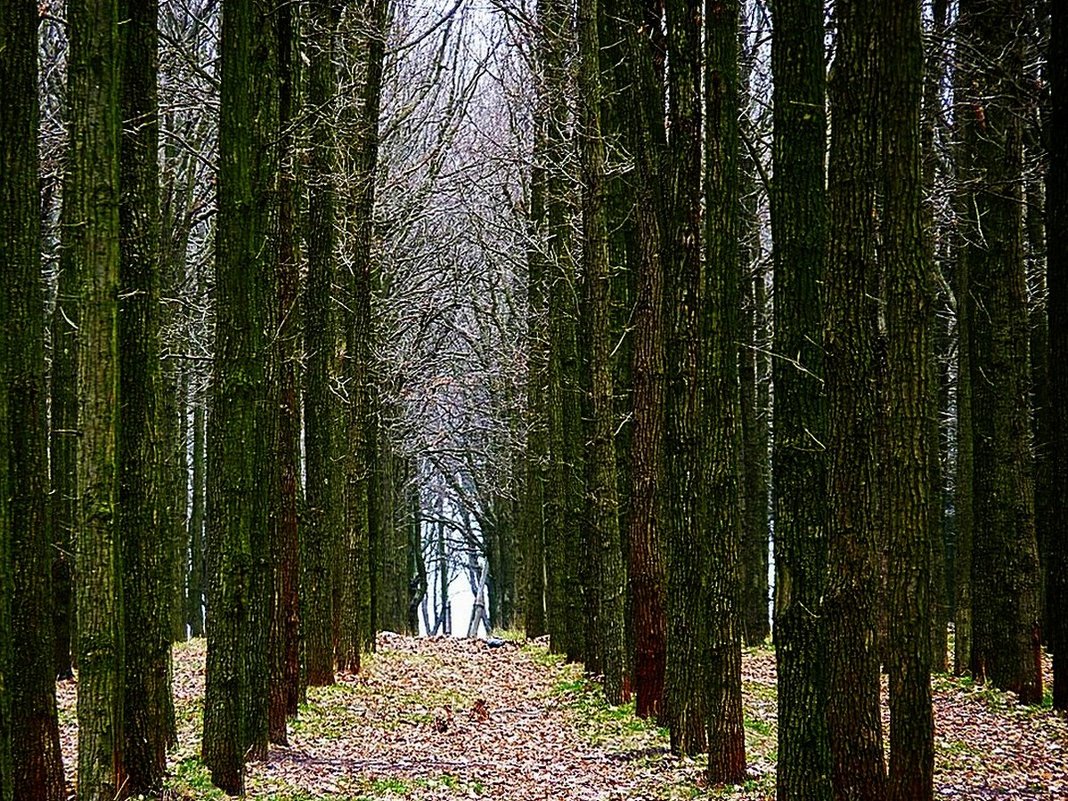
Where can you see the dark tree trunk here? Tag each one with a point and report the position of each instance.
(285, 545)
(603, 531)
(147, 689)
(322, 527)
(1057, 281)
(565, 554)
(798, 215)
(91, 199)
(684, 429)
(30, 759)
(536, 455)
(644, 94)
(1005, 583)
(242, 426)
(909, 308)
(719, 329)
(850, 366)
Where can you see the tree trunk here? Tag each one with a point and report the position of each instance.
(603, 532)
(93, 195)
(242, 428)
(322, 527)
(684, 295)
(909, 308)
(722, 406)
(285, 545)
(1005, 583)
(644, 94)
(798, 214)
(1057, 281)
(30, 759)
(850, 367)
(147, 690)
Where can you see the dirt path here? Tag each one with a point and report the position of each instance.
(456, 719)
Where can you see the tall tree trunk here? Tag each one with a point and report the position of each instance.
(719, 329)
(564, 508)
(603, 529)
(242, 430)
(92, 193)
(147, 689)
(1005, 584)
(30, 759)
(322, 528)
(644, 94)
(684, 296)
(195, 583)
(798, 215)
(535, 480)
(9, 48)
(285, 545)
(850, 367)
(909, 308)
(1057, 281)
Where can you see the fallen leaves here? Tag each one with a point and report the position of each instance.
(440, 718)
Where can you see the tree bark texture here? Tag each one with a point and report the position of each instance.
(719, 328)
(908, 282)
(92, 193)
(603, 532)
(684, 296)
(1005, 582)
(241, 428)
(798, 215)
(1057, 281)
(146, 580)
(850, 366)
(30, 760)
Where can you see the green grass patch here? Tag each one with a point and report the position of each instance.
(192, 780)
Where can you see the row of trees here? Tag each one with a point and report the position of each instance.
(517, 289)
(297, 515)
(917, 433)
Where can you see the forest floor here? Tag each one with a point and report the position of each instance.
(456, 719)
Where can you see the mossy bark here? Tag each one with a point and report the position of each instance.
(30, 760)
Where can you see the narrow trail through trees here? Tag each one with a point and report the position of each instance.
(443, 718)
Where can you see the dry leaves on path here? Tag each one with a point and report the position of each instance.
(440, 718)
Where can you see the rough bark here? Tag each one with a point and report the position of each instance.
(603, 532)
(241, 430)
(850, 365)
(684, 296)
(30, 760)
(1005, 583)
(322, 516)
(907, 264)
(798, 215)
(285, 543)
(722, 408)
(1057, 281)
(644, 94)
(92, 194)
(565, 597)
(147, 664)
